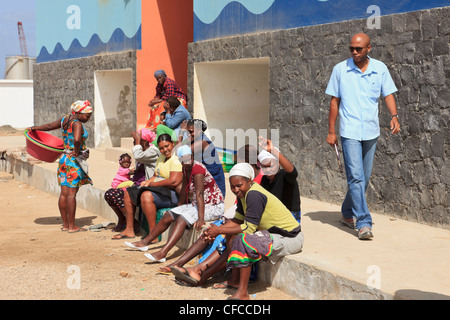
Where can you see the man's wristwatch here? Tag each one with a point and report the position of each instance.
(394, 115)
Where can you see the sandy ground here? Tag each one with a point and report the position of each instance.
(38, 261)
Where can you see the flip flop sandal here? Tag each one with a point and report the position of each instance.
(184, 276)
(129, 244)
(182, 283)
(119, 228)
(153, 259)
(120, 237)
(79, 230)
(96, 227)
(164, 271)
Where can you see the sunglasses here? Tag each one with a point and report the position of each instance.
(358, 49)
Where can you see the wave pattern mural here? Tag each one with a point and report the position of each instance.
(207, 11)
(118, 42)
(220, 18)
(69, 29)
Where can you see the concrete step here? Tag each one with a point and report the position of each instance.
(113, 154)
(333, 264)
(126, 143)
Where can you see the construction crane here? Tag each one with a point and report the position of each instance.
(23, 44)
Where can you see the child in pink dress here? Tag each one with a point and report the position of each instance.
(123, 175)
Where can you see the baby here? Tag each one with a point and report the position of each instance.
(123, 176)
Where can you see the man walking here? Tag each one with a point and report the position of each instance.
(355, 87)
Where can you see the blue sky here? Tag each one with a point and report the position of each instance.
(10, 13)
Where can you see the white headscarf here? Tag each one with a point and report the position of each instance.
(183, 150)
(265, 155)
(244, 170)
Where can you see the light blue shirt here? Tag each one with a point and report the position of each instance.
(174, 120)
(359, 93)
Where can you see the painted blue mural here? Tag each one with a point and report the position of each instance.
(220, 18)
(67, 29)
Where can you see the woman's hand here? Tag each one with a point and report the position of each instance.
(265, 144)
(136, 137)
(147, 183)
(183, 125)
(212, 231)
(199, 224)
(72, 154)
(210, 234)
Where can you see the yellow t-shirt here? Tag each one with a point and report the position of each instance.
(163, 167)
(261, 210)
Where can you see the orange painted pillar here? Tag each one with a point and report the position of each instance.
(167, 29)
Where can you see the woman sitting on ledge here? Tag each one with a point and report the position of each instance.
(160, 191)
(262, 227)
(207, 205)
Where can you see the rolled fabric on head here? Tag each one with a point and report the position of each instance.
(183, 150)
(160, 73)
(265, 155)
(81, 106)
(242, 169)
(148, 135)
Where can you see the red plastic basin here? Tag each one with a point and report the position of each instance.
(44, 146)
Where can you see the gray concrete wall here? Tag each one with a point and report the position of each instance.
(58, 84)
(411, 176)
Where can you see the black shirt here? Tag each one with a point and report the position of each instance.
(285, 188)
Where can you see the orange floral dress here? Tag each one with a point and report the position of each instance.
(70, 173)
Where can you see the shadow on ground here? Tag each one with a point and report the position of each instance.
(84, 221)
(331, 218)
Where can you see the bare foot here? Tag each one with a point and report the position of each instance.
(158, 255)
(225, 285)
(77, 229)
(119, 227)
(140, 244)
(239, 296)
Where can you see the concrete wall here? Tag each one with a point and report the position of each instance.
(166, 31)
(113, 106)
(410, 177)
(16, 103)
(239, 87)
(58, 84)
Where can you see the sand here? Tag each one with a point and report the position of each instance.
(39, 261)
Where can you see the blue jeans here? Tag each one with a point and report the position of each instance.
(358, 160)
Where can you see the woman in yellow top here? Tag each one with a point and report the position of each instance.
(160, 191)
(262, 227)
